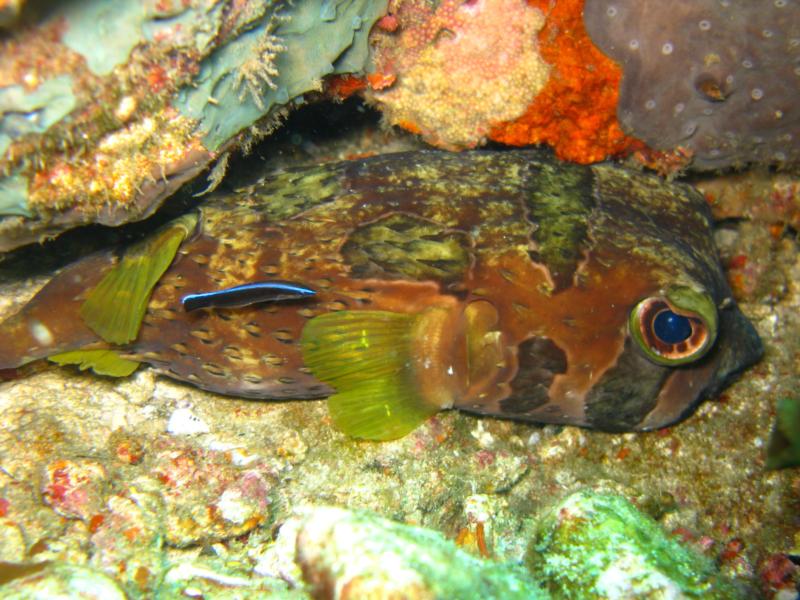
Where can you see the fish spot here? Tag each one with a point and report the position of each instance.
(304, 370)
(270, 269)
(287, 380)
(180, 348)
(154, 358)
(214, 369)
(336, 305)
(200, 259)
(232, 353)
(252, 329)
(204, 335)
(40, 332)
(250, 378)
(306, 313)
(193, 378)
(284, 336)
(507, 275)
(273, 359)
(167, 314)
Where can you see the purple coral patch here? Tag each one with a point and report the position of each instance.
(718, 77)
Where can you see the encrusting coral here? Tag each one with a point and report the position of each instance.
(452, 73)
(575, 112)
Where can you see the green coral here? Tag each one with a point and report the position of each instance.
(596, 545)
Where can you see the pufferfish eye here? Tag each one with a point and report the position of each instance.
(676, 328)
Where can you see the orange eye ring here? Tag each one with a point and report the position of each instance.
(670, 334)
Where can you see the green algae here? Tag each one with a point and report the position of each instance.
(784, 443)
(596, 545)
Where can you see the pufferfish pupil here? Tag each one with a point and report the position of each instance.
(671, 328)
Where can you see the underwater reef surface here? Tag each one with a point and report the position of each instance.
(146, 486)
(107, 107)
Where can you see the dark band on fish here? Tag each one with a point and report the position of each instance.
(247, 294)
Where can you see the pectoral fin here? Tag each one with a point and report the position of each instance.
(102, 362)
(114, 309)
(370, 358)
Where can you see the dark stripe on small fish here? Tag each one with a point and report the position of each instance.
(247, 294)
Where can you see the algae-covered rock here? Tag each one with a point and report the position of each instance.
(596, 545)
(59, 581)
(107, 107)
(210, 579)
(345, 554)
(784, 444)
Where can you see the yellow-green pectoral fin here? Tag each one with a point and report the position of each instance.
(368, 357)
(102, 362)
(114, 309)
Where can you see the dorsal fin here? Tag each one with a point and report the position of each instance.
(114, 309)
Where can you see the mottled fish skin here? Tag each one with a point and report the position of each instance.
(562, 252)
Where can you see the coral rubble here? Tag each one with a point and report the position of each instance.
(716, 77)
(350, 555)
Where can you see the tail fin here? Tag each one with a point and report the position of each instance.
(92, 303)
(50, 323)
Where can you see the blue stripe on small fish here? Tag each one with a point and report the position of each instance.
(247, 294)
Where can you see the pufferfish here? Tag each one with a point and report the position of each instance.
(498, 283)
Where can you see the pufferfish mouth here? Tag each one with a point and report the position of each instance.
(737, 347)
